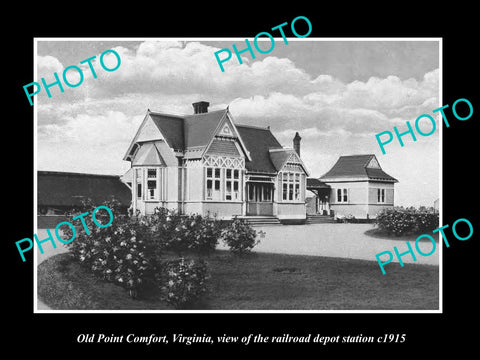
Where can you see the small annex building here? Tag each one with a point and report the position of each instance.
(205, 163)
(355, 186)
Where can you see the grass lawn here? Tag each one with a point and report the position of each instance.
(376, 232)
(258, 282)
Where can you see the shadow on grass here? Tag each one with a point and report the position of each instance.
(259, 281)
(64, 285)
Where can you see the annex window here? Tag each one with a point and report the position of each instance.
(342, 195)
(381, 195)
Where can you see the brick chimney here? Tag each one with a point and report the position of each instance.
(296, 143)
(200, 107)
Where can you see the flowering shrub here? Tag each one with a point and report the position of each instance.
(180, 233)
(240, 236)
(399, 221)
(121, 253)
(183, 281)
(129, 252)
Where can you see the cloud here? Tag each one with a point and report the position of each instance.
(99, 118)
(48, 65)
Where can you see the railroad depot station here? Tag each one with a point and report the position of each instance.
(206, 163)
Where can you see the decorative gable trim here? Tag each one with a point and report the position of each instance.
(133, 147)
(224, 162)
(227, 120)
(291, 162)
(225, 130)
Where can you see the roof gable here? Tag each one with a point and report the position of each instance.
(157, 126)
(149, 131)
(148, 154)
(282, 157)
(359, 167)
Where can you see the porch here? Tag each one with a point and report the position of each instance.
(321, 203)
(259, 200)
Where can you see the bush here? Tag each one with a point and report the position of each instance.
(181, 233)
(239, 236)
(183, 281)
(121, 253)
(129, 251)
(399, 221)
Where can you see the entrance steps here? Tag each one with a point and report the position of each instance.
(319, 219)
(261, 220)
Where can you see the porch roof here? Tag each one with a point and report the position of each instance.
(314, 184)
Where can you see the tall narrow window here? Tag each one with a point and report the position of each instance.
(342, 195)
(209, 194)
(236, 184)
(228, 184)
(152, 184)
(216, 189)
(213, 188)
(236, 193)
(297, 187)
(381, 195)
(284, 186)
(139, 179)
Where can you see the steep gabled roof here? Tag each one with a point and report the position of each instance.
(357, 166)
(171, 128)
(258, 142)
(199, 128)
(194, 134)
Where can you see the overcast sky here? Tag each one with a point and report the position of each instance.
(336, 94)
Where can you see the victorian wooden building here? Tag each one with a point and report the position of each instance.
(205, 163)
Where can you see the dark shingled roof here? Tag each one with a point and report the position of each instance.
(65, 189)
(199, 128)
(258, 142)
(171, 128)
(182, 132)
(355, 166)
(192, 133)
